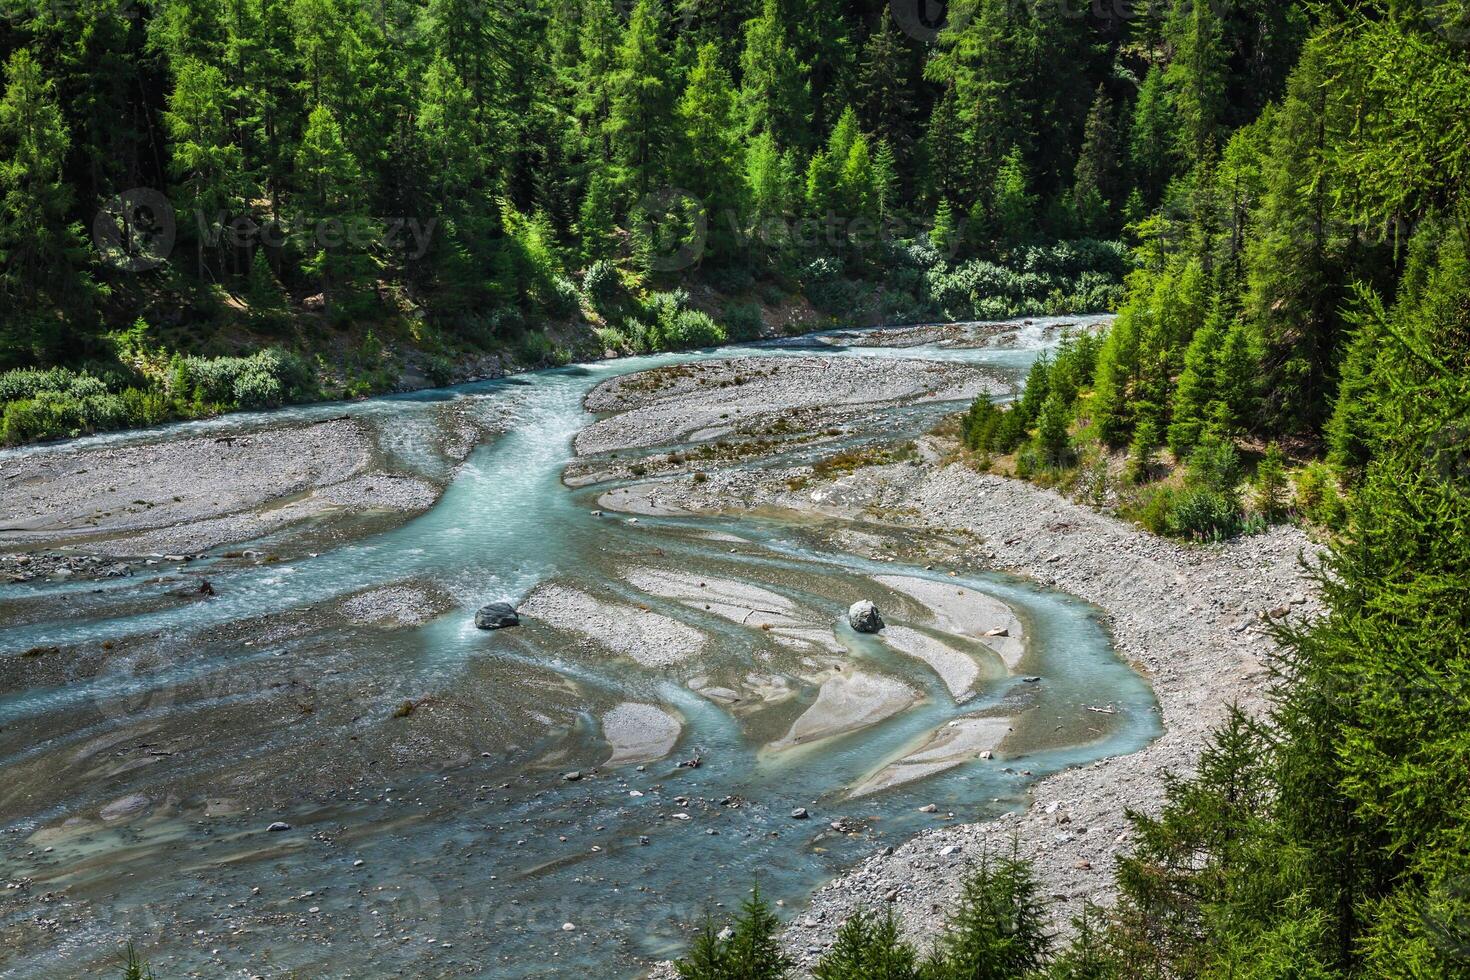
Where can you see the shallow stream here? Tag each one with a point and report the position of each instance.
(422, 768)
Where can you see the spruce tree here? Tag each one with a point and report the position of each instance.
(775, 93)
(642, 105)
(40, 245)
(995, 931)
(869, 947)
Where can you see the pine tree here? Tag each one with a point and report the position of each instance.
(770, 184)
(774, 91)
(206, 164)
(711, 149)
(1014, 205)
(642, 104)
(1151, 138)
(995, 932)
(943, 234)
(450, 139)
(889, 86)
(885, 182)
(1195, 390)
(1142, 450)
(1051, 430)
(597, 43)
(330, 176)
(869, 947)
(755, 950)
(1271, 484)
(596, 225)
(1195, 77)
(1094, 178)
(1294, 287)
(1087, 955)
(39, 245)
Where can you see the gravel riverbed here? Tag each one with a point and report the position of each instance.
(1191, 619)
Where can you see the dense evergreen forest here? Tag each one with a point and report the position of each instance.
(191, 179)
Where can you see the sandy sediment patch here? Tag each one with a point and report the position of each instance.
(753, 691)
(739, 602)
(847, 702)
(959, 670)
(639, 733)
(955, 743)
(639, 499)
(395, 606)
(649, 638)
(192, 493)
(711, 398)
(966, 611)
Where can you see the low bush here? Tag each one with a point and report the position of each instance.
(743, 321)
(57, 403)
(603, 286)
(1203, 514)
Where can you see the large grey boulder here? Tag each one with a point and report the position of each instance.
(863, 616)
(497, 615)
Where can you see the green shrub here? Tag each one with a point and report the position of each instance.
(1152, 510)
(603, 285)
(743, 321)
(1318, 498)
(1215, 464)
(265, 379)
(562, 297)
(693, 328)
(1203, 514)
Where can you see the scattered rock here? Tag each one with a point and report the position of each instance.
(863, 616)
(496, 615)
(277, 827)
(127, 806)
(928, 808)
(799, 813)
(571, 777)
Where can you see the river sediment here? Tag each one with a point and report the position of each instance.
(683, 680)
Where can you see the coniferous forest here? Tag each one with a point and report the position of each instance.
(212, 204)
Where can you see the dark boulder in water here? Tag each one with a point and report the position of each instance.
(497, 615)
